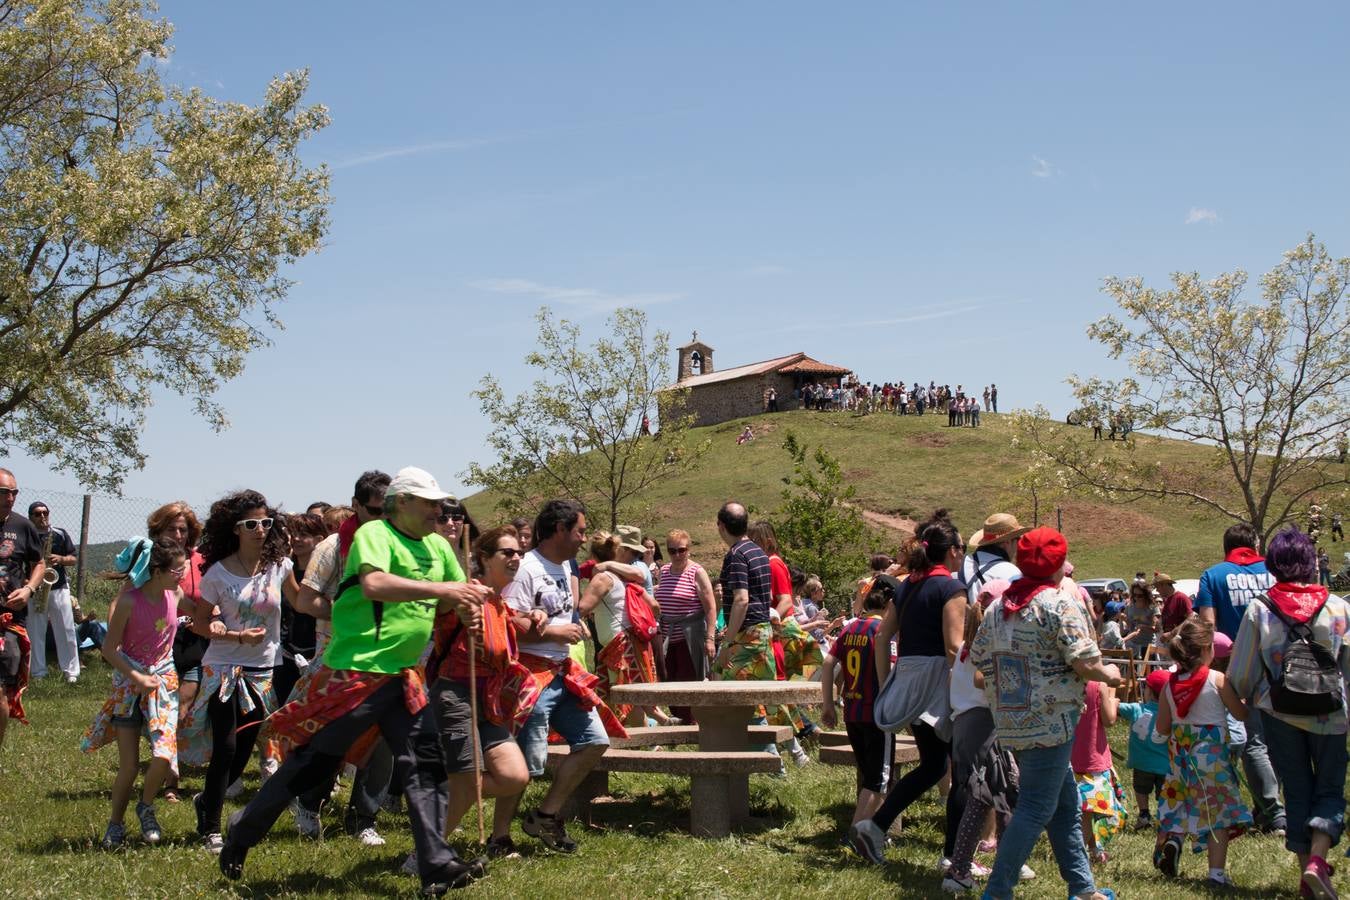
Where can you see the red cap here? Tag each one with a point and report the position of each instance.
(1041, 551)
(1157, 681)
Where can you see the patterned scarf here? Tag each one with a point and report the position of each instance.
(14, 693)
(324, 695)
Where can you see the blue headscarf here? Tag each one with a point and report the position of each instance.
(134, 560)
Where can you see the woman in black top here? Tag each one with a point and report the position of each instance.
(927, 618)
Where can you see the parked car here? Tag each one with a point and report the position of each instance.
(1102, 587)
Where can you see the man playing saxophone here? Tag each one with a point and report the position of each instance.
(51, 603)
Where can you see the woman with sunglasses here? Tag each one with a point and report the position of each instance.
(496, 559)
(247, 574)
(688, 616)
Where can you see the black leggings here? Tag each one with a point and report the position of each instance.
(934, 753)
(233, 736)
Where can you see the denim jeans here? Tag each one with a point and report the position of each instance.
(1312, 769)
(1045, 807)
(1261, 780)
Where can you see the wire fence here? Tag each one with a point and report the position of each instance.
(99, 524)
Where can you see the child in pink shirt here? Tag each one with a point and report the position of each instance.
(1100, 793)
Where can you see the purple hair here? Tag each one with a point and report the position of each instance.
(1291, 556)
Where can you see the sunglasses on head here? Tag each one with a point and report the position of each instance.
(450, 517)
(251, 524)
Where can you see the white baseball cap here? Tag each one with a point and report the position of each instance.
(418, 483)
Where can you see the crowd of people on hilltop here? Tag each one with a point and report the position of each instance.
(436, 657)
(961, 407)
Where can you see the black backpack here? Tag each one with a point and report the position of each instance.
(1309, 682)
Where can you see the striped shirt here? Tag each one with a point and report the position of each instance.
(678, 596)
(746, 568)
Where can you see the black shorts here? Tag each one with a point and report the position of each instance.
(1147, 782)
(9, 659)
(873, 750)
(453, 715)
(135, 720)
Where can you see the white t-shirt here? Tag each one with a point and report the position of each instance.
(541, 584)
(611, 613)
(994, 567)
(964, 694)
(246, 602)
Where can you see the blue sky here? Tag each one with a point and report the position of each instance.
(916, 192)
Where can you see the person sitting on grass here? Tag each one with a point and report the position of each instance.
(139, 647)
(872, 747)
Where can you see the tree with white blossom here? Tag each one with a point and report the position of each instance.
(142, 229)
(1263, 384)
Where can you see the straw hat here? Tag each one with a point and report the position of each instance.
(998, 528)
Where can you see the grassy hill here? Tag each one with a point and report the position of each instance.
(905, 467)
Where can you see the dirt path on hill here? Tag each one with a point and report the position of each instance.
(902, 524)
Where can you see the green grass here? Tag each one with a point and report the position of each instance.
(54, 807)
(909, 466)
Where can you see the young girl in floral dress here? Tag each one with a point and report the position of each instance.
(1201, 796)
(139, 647)
(1099, 791)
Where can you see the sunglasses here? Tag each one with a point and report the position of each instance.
(37, 512)
(509, 552)
(452, 517)
(9, 492)
(251, 524)
(676, 550)
(375, 510)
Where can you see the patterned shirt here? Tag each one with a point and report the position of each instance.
(1259, 649)
(1027, 660)
(746, 568)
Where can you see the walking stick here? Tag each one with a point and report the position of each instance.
(473, 704)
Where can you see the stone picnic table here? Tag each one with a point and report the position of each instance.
(719, 771)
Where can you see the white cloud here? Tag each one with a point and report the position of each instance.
(413, 150)
(590, 300)
(1199, 214)
(1044, 168)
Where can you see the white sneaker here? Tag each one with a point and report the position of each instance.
(72, 679)
(235, 789)
(268, 768)
(944, 865)
(307, 823)
(409, 866)
(801, 757)
(1027, 873)
(370, 837)
(981, 871)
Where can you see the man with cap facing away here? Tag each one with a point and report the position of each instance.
(399, 572)
(994, 546)
(1176, 606)
(1035, 649)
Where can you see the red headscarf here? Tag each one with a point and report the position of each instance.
(1298, 602)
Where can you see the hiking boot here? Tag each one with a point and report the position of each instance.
(502, 848)
(150, 830)
(454, 876)
(114, 837)
(549, 830)
(868, 841)
(213, 842)
(1170, 856)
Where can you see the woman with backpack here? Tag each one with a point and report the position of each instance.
(1289, 659)
(626, 657)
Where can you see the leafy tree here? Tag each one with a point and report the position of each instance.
(141, 229)
(1263, 384)
(819, 526)
(577, 432)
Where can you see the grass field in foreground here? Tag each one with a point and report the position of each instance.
(53, 807)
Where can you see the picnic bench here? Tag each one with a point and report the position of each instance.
(720, 768)
(835, 749)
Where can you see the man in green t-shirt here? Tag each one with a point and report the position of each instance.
(399, 572)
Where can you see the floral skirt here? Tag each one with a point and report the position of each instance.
(194, 732)
(1201, 792)
(158, 712)
(1101, 795)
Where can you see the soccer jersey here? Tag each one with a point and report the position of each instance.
(855, 649)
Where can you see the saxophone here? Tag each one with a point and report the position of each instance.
(49, 578)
